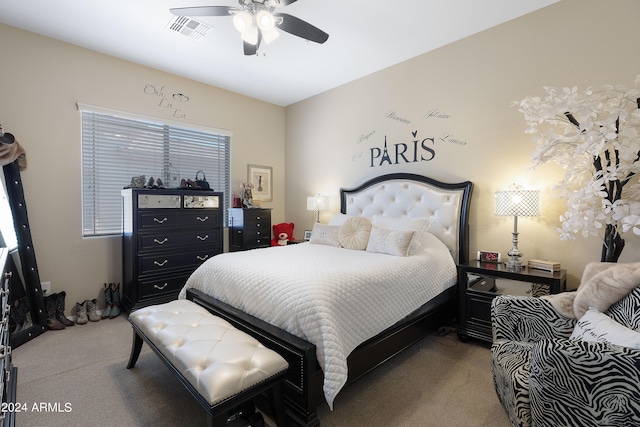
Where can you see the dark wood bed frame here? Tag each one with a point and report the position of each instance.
(303, 386)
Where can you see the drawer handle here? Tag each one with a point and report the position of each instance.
(160, 287)
(257, 232)
(206, 236)
(202, 219)
(160, 264)
(258, 217)
(160, 221)
(258, 225)
(160, 242)
(202, 258)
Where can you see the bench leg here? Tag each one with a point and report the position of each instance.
(219, 420)
(276, 400)
(136, 346)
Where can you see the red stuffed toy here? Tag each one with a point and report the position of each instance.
(282, 234)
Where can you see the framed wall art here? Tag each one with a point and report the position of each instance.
(262, 179)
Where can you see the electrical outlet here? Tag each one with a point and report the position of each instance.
(46, 288)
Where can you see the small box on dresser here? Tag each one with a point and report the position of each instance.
(249, 228)
(167, 234)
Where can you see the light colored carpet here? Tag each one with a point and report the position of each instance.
(78, 376)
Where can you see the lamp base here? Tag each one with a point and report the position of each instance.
(514, 264)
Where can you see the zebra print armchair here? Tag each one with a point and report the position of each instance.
(542, 378)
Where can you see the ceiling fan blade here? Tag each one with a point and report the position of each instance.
(252, 49)
(203, 11)
(300, 28)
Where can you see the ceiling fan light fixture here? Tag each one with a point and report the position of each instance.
(243, 21)
(250, 36)
(270, 35)
(265, 20)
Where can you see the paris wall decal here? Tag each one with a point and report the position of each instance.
(414, 146)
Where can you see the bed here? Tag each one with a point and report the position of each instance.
(350, 309)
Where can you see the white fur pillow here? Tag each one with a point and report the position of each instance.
(598, 327)
(354, 233)
(392, 242)
(325, 235)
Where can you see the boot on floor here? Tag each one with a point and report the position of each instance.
(50, 305)
(91, 310)
(60, 297)
(115, 300)
(106, 313)
(81, 313)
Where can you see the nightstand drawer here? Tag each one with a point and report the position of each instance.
(479, 283)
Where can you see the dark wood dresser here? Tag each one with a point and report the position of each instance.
(249, 228)
(167, 234)
(8, 371)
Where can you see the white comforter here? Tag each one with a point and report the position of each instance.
(335, 298)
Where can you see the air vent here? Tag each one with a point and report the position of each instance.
(189, 27)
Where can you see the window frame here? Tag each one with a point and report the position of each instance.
(153, 142)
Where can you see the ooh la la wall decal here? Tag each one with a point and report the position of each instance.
(171, 103)
(417, 150)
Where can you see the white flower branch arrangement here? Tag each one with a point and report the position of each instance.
(595, 136)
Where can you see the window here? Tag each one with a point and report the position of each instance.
(117, 147)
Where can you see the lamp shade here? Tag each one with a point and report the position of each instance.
(317, 203)
(518, 202)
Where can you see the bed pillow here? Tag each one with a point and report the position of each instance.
(391, 242)
(354, 233)
(419, 225)
(598, 327)
(338, 219)
(324, 234)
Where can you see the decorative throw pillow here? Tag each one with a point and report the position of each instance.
(323, 234)
(419, 225)
(598, 327)
(392, 242)
(354, 233)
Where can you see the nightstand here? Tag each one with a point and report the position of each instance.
(480, 282)
(249, 228)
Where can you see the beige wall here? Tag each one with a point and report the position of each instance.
(473, 83)
(328, 137)
(41, 80)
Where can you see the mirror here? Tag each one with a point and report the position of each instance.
(27, 314)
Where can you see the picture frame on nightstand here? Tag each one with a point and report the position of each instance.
(307, 234)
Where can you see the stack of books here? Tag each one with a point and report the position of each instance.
(543, 264)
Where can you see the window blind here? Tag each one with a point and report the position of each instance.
(116, 148)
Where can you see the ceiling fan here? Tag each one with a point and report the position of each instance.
(256, 21)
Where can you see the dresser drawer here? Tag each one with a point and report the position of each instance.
(253, 216)
(257, 243)
(163, 285)
(158, 263)
(165, 219)
(193, 238)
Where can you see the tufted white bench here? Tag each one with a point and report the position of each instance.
(221, 366)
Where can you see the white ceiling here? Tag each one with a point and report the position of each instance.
(364, 36)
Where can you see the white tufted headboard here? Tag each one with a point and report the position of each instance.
(409, 195)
